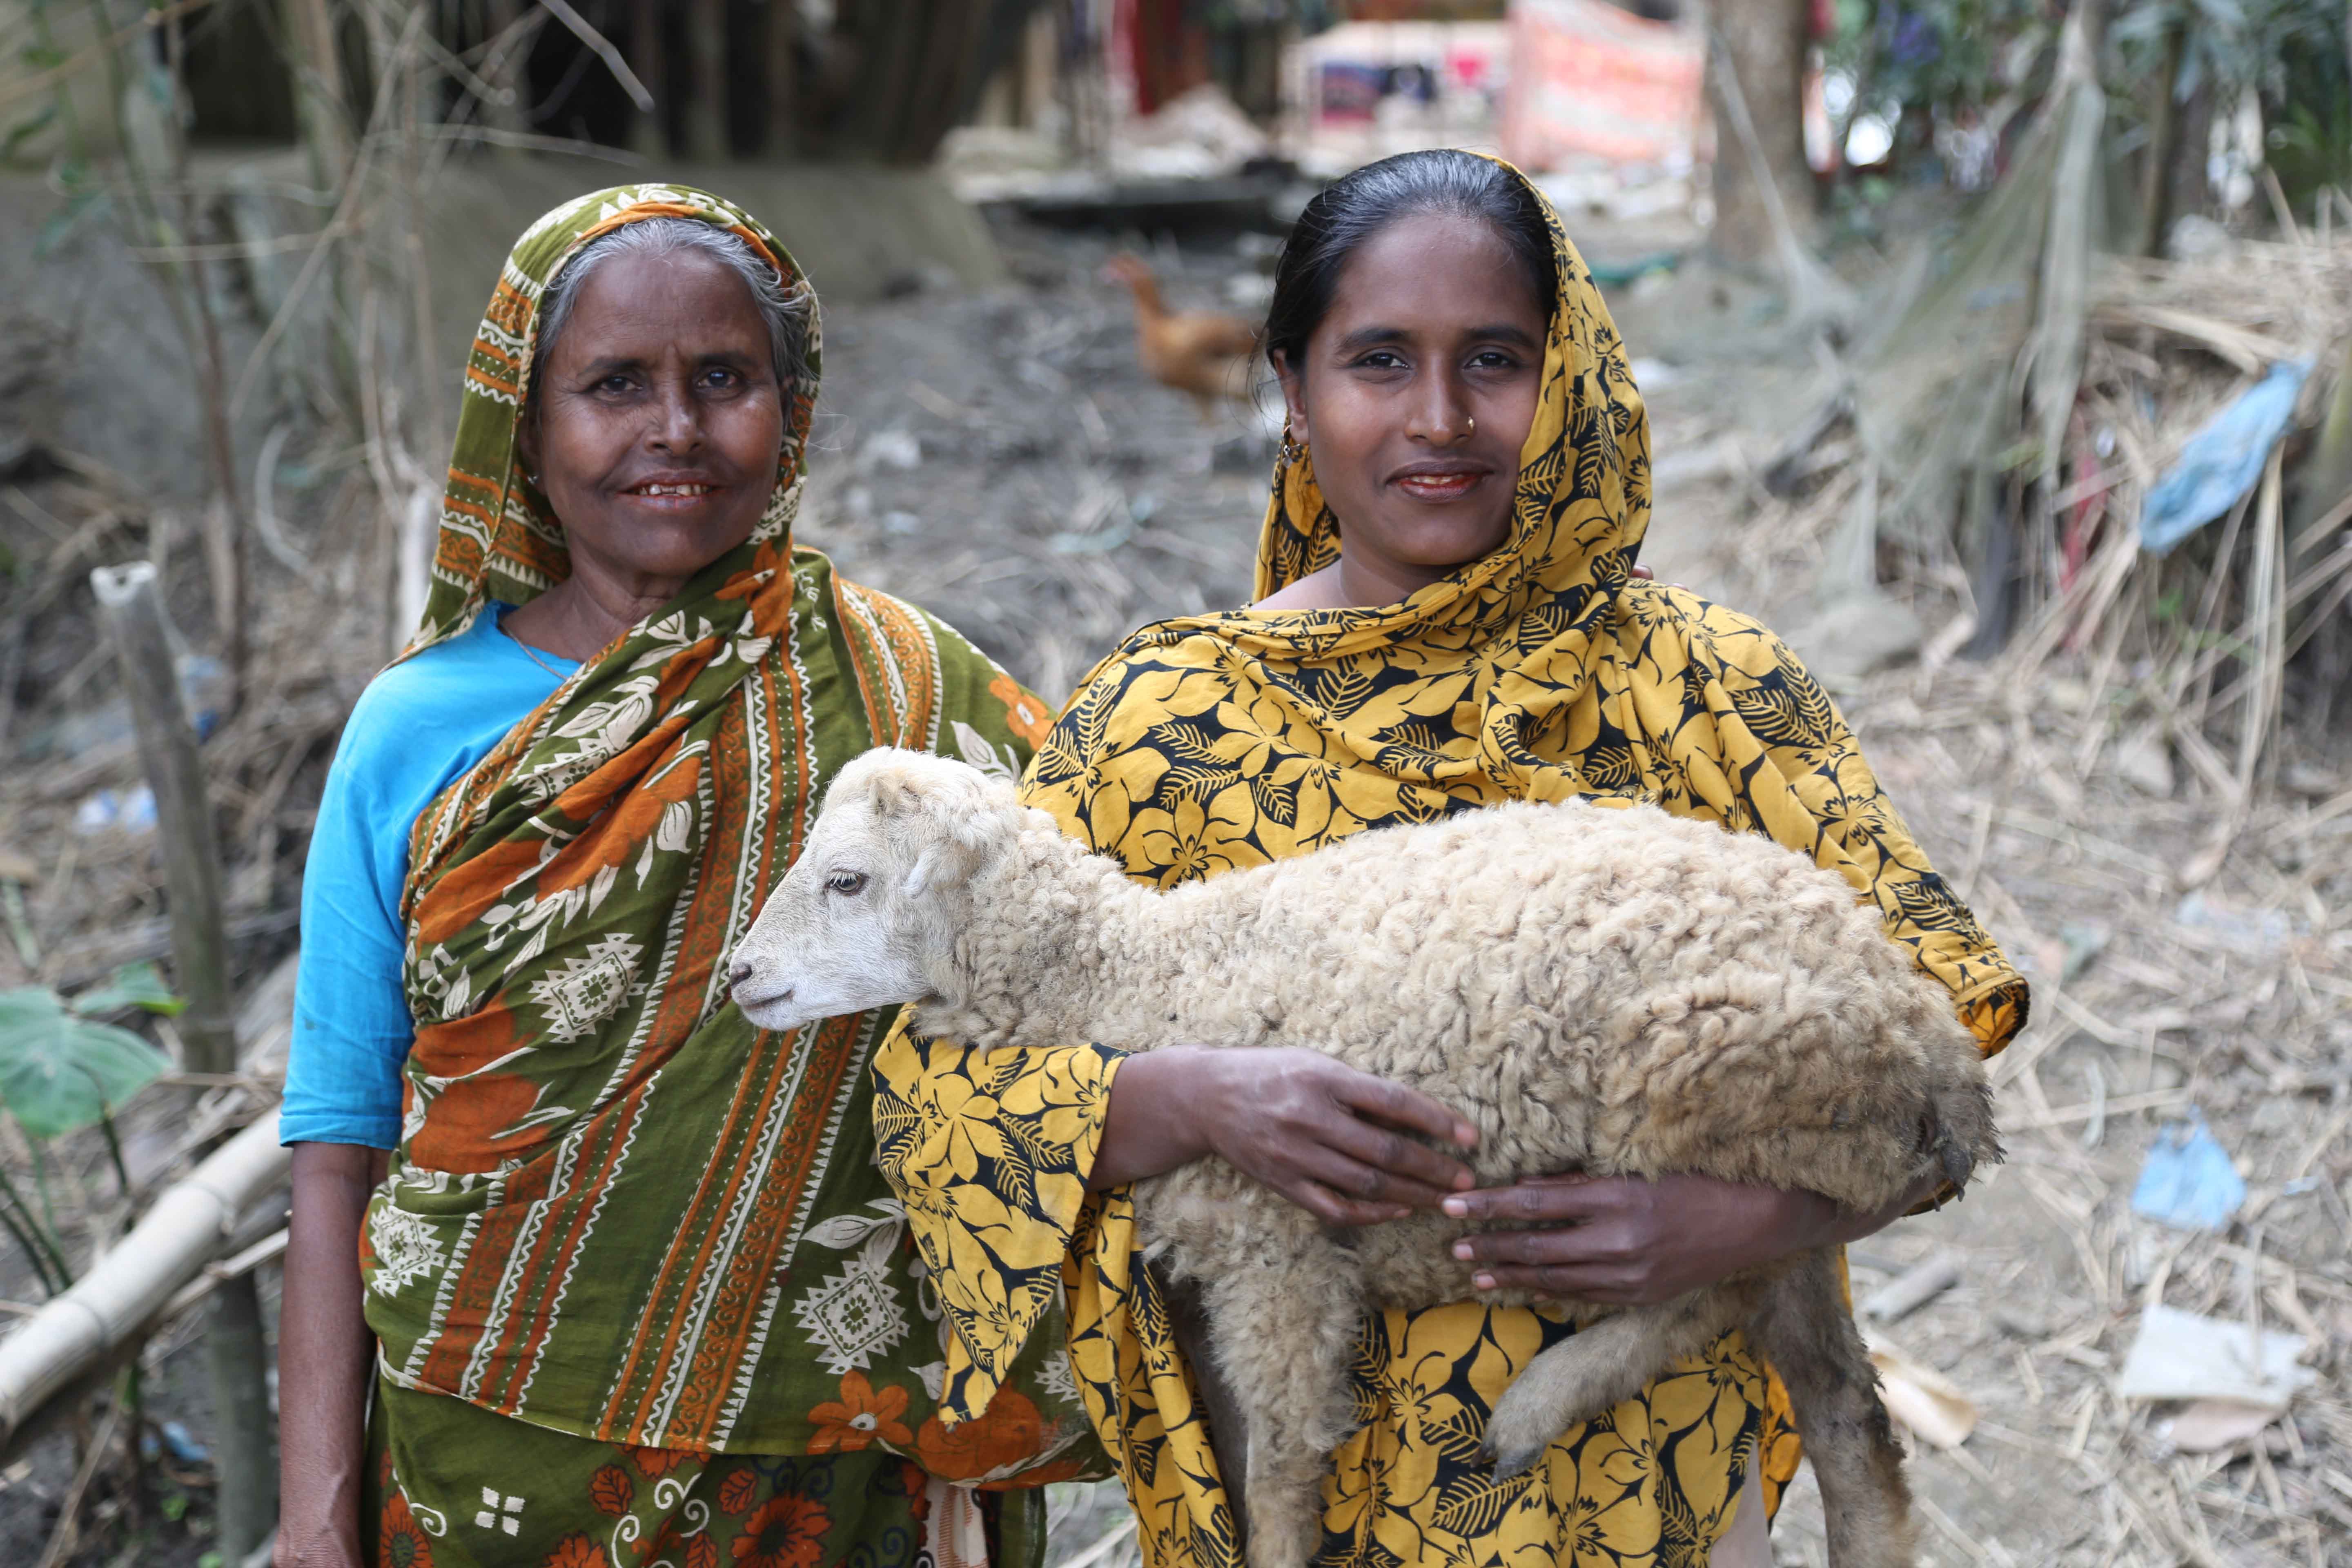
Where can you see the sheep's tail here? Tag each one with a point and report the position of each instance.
(1958, 1135)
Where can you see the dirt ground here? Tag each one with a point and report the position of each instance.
(998, 458)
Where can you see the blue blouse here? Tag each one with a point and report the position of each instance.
(417, 728)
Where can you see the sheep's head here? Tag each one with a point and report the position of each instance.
(879, 887)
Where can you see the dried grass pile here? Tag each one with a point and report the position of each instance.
(2228, 654)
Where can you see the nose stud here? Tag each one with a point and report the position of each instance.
(1470, 425)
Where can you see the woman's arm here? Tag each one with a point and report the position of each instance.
(1329, 1137)
(325, 1358)
(1625, 1242)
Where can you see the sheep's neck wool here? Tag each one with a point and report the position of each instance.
(1542, 671)
(618, 1210)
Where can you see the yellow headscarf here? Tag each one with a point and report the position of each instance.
(1540, 671)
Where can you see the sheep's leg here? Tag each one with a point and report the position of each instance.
(1804, 1329)
(1285, 1331)
(1600, 1367)
(1220, 1405)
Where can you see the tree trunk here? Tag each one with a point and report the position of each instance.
(706, 100)
(2163, 137)
(236, 1354)
(649, 132)
(783, 79)
(322, 104)
(507, 109)
(2187, 190)
(1767, 38)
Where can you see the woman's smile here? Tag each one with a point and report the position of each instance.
(1440, 482)
(671, 493)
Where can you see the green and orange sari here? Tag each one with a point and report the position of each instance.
(641, 1292)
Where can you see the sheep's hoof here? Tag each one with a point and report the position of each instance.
(1511, 1462)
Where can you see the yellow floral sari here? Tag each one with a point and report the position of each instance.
(1542, 671)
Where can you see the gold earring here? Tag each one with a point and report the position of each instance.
(1291, 450)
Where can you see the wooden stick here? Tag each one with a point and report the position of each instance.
(61, 1540)
(237, 1353)
(132, 611)
(2112, 1105)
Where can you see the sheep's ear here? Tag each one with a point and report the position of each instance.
(940, 865)
(897, 796)
(890, 794)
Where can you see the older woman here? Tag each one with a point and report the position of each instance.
(627, 1286)
(1449, 616)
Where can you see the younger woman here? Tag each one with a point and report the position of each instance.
(1448, 618)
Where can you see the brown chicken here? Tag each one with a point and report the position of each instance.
(1204, 355)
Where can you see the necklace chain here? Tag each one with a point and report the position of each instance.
(532, 654)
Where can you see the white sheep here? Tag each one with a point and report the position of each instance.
(1612, 990)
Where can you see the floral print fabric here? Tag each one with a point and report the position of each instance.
(450, 1486)
(1542, 671)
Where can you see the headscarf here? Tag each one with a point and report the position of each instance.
(1543, 671)
(618, 1209)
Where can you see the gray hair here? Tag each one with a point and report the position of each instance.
(784, 309)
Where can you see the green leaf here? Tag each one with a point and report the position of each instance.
(133, 985)
(25, 129)
(84, 203)
(60, 1071)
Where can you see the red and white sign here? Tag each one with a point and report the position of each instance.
(1589, 81)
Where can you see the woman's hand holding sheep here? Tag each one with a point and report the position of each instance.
(1330, 1139)
(1620, 1241)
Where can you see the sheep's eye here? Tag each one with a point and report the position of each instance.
(848, 883)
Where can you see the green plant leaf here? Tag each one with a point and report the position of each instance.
(133, 985)
(25, 131)
(60, 1071)
(82, 204)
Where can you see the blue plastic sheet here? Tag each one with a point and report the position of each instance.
(2221, 461)
(2188, 1182)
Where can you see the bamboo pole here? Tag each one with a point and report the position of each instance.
(237, 1353)
(117, 1302)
